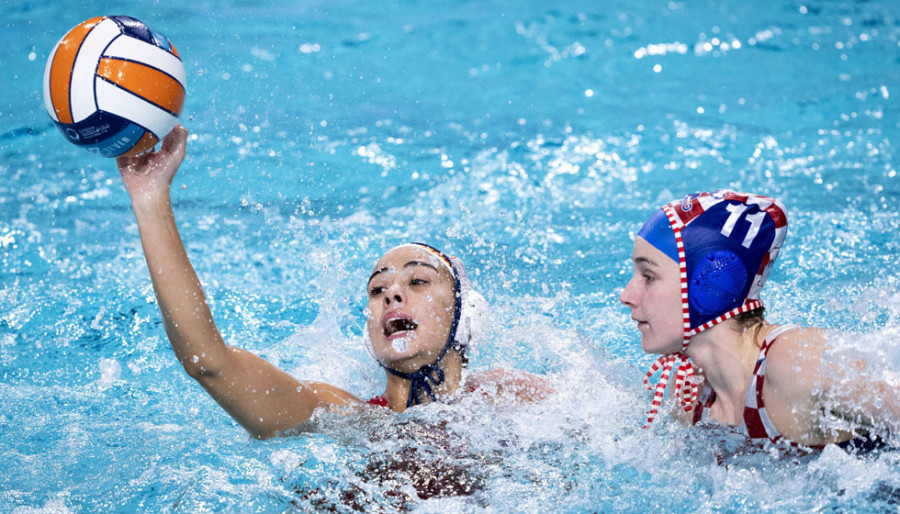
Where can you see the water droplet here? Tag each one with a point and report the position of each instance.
(400, 345)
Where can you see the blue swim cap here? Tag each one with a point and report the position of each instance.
(658, 232)
(725, 243)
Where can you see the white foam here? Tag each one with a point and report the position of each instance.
(110, 370)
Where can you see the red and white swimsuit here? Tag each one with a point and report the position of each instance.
(756, 424)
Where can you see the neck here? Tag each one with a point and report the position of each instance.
(397, 390)
(727, 356)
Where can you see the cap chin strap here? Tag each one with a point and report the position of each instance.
(422, 379)
(686, 389)
(685, 383)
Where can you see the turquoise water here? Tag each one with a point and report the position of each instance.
(529, 139)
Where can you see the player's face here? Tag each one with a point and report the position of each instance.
(654, 296)
(410, 308)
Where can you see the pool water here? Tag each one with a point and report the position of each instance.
(531, 140)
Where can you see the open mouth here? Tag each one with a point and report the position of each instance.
(394, 326)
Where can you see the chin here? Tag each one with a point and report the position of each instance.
(657, 348)
(403, 364)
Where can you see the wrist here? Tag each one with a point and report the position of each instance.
(148, 200)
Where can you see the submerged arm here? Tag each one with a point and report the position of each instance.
(512, 384)
(262, 398)
(834, 385)
(862, 396)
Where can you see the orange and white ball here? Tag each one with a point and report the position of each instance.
(114, 86)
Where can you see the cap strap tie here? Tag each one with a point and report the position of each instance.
(685, 383)
(422, 380)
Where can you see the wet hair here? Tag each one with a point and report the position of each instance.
(463, 357)
(750, 320)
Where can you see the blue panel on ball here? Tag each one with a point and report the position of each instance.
(134, 28)
(161, 40)
(120, 143)
(103, 133)
(139, 30)
(93, 129)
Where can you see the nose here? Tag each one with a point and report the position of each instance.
(393, 295)
(627, 297)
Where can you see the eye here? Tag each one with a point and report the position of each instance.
(648, 278)
(376, 290)
(418, 282)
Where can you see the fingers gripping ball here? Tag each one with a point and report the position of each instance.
(114, 86)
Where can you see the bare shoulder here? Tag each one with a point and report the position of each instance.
(512, 384)
(800, 344)
(795, 359)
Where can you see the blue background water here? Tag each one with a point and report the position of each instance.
(530, 139)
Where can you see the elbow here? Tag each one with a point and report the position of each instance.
(200, 369)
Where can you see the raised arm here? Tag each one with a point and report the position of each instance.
(262, 398)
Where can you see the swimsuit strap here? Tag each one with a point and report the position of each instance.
(379, 400)
(704, 402)
(773, 335)
(757, 424)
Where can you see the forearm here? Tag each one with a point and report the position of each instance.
(262, 398)
(265, 400)
(186, 315)
(513, 384)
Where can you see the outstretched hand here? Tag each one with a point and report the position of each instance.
(152, 172)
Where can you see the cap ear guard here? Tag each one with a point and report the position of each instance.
(474, 315)
(717, 283)
(474, 318)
